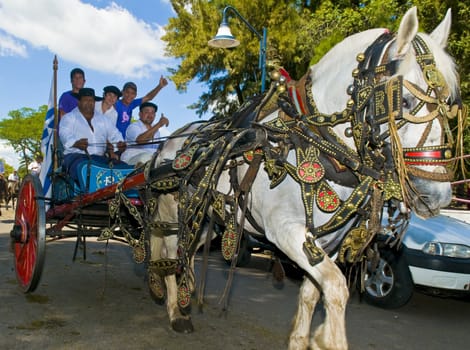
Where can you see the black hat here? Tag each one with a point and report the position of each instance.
(129, 85)
(87, 92)
(113, 89)
(148, 104)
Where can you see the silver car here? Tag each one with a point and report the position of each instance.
(435, 254)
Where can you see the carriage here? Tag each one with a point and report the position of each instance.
(78, 210)
(287, 167)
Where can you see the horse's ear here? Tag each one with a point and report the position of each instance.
(407, 31)
(442, 31)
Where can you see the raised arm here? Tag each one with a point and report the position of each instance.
(148, 135)
(151, 95)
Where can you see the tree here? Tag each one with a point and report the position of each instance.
(299, 34)
(8, 169)
(23, 130)
(229, 72)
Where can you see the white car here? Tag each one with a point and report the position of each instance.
(435, 254)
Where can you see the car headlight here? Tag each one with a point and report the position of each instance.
(447, 249)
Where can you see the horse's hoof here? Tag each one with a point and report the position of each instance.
(182, 325)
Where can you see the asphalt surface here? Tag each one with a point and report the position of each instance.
(103, 303)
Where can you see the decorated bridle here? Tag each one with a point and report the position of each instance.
(374, 103)
(382, 166)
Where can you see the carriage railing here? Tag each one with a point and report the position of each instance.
(67, 211)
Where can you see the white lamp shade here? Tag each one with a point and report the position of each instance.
(223, 38)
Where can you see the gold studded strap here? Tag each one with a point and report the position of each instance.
(348, 208)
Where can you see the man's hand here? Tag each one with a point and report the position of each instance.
(163, 82)
(81, 144)
(121, 145)
(163, 121)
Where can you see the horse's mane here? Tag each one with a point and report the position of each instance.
(334, 69)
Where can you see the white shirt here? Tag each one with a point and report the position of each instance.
(34, 167)
(110, 113)
(74, 126)
(133, 149)
(13, 177)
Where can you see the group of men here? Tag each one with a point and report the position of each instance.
(101, 128)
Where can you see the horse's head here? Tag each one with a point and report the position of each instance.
(430, 99)
(415, 95)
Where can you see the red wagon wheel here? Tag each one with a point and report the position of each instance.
(29, 234)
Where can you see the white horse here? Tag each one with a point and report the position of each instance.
(411, 172)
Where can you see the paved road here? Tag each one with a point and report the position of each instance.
(102, 303)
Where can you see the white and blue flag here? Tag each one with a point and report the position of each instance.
(47, 146)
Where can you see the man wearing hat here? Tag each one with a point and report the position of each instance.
(128, 102)
(68, 100)
(85, 133)
(142, 135)
(106, 106)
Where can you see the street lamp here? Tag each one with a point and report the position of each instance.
(225, 39)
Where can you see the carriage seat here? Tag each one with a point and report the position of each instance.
(100, 175)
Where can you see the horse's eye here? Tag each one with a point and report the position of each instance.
(405, 103)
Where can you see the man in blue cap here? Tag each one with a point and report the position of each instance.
(128, 102)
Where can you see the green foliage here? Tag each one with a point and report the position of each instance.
(299, 34)
(23, 129)
(234, 70)
(332, 21)
(7, 167)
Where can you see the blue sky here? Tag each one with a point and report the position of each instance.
(112, 41)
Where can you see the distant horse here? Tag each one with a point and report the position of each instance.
(3, 191)
(311, 180)
(12, 193)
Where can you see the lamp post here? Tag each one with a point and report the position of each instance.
(225, 39)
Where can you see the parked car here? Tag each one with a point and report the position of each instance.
(435, 254)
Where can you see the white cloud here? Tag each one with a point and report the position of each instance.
(109, 40)
(9, 155)
(11, 47)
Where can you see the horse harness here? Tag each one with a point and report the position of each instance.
(377, 169)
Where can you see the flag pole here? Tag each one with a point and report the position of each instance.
(55, 66)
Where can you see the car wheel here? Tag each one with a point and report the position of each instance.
(390, 285)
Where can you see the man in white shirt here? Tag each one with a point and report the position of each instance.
(35, 166)
(141, 136)
(13, 177)
(84, 134)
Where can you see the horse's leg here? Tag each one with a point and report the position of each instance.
(325, 279)
(308, 298)
(167, 287)
(179, 322)
(331, 334)
(166, 247)
(156, 282)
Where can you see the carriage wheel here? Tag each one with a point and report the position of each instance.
(29, 234)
